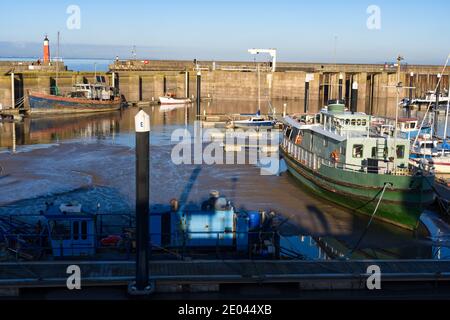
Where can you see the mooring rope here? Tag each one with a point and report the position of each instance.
(386, 185)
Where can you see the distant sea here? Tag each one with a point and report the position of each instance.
(76, 64)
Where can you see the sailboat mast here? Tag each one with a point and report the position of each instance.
(429, 105)
(57, 64)
(446, 118)
(259, 88)
(399, 60)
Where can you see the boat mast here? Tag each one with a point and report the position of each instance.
(57, 65)
(399, 85)
(444, 143)
(259, 88)
(429, 105)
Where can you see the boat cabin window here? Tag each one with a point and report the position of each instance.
(374, 152)
(347, 122)
(288, 132)
(358, 151)
(294, 134)
(325, 142)
(412, 125)
(401, 152)
(60, 230)
(427, 145)
(76, 230)
(84, 230)
(353, 122)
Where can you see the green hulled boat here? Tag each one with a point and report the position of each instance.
(337, 155)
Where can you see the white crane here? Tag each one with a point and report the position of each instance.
(271, 52)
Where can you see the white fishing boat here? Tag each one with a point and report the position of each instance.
(170, 99)
(441, 162)
(254, 122)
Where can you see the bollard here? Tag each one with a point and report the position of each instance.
(284, 110)
(354, 102)
(142, 285)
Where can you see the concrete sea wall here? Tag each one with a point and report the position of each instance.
(147, 80)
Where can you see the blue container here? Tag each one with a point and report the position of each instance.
(254, 221)
(242, 240)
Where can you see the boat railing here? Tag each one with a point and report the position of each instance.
(37, 246)
(315, 162)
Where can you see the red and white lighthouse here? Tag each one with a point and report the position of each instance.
(46, 50)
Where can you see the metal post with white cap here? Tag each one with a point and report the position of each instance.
(142, 285)
(199, 92)
(354, 102)
(13, 92)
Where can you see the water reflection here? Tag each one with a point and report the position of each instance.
(50, 129)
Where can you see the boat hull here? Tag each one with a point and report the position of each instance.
(45, 104)
(248, 125)
(402, 205)
(414, 133)
(441, 165)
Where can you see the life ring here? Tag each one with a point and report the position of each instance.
(299, 139)
(335, 156)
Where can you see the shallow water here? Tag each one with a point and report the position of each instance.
(91, 159)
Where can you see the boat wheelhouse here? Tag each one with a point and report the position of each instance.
(407, 127)
(343, 160)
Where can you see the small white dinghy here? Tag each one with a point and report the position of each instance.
(170, 99)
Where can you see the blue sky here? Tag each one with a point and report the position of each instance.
(224, 30)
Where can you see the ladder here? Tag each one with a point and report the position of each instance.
(381, 146)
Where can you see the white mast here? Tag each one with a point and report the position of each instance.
(399, 85)
(446, 119)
